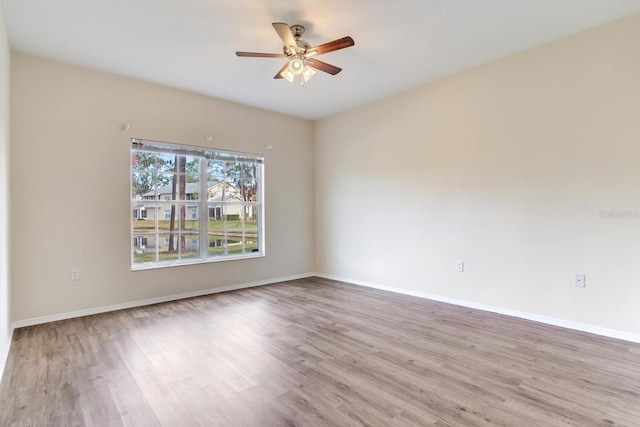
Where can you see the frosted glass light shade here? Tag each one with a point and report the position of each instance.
(295, 66)
(307, 73)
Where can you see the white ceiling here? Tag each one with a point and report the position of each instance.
(191, 44)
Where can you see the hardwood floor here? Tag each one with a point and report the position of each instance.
(315, 352)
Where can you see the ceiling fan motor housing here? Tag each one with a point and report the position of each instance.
(303, 46)
(297, 30)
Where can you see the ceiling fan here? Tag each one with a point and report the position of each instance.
(300, 55)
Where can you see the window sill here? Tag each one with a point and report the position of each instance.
(183, 262)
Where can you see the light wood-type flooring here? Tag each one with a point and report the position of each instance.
(315, 352)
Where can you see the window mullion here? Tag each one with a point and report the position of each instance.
(204, 209)
(156, 224)
(243, 214)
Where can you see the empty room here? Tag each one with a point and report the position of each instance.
(337, 213)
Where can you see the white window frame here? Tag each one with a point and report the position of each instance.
(204, 205)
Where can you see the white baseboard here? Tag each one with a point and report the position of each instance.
(611, 333)
(140, 303)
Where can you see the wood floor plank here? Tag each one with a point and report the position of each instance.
(315, 352)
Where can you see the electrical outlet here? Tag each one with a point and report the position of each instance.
(75, 274)
(459, 266)
(579, 281)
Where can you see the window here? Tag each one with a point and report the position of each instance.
(139, 213)
(193, 204)
(139, 241)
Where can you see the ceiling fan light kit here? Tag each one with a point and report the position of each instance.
(296, 66)
(300, 54)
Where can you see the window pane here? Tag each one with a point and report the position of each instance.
(224, 244)
(193, 215)
(215, 216)
(163, 188)
(223, 192)
(216, 245)
(190, 246)
(144, 248)
(142, 225)
(192, 165)
(191, 188)
(234, 245)
(186, 187)
(217, 230)
(168, 246)
(252, 231)
(251, 213)
(215, 170)
(248, 170)
(248, 189)
(233, 171)
(189, 215)
(185, 217)
(141, 183)
(233, 215)
(161, 214)
(165, 162)
(179, 246)
(142, 161)
(251, 244)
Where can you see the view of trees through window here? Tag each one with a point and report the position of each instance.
(190, 204)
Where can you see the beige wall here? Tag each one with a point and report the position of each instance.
(70, 186)
(506, 167)
(5, 312)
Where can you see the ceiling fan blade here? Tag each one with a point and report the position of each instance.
(330, 46)
(279, 75)
(261, 55)
(286, 36)
(323, 66)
